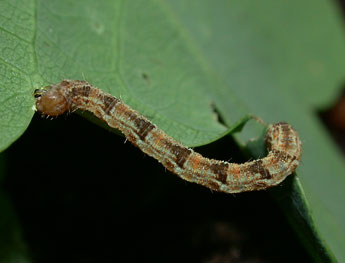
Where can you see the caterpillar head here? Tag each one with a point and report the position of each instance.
(51, 101)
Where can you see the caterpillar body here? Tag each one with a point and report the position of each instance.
(283, 143)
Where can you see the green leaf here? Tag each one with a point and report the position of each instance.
(17, 64)
(181, 62)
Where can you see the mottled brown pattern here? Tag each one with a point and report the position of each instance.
(169, 165)
(282, 141)
(258, 168)
(64, 83)
(220, 170)
(144, 127)
(82, 91)
(213, 186)
(260, 185)
(280, 155)
(130, 115)
(181, 154)
(268, 142)
(285, 134)
(130, 137)
(109, 103)
(292, 164)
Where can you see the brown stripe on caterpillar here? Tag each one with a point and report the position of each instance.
(109, 103)
(220, 170)
(285, 130)
(257, 168)
(282, 141)
(81, 91)
(181, 154)
(144, 127)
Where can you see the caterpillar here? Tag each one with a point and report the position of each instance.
(282, 141)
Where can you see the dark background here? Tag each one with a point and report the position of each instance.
(83, 195)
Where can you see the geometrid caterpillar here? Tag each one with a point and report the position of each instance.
(283, 143)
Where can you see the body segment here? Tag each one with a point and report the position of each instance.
(283, 143)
